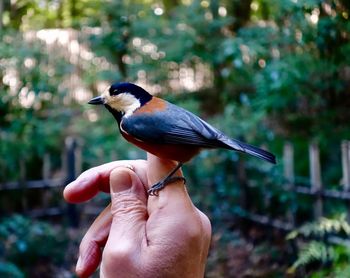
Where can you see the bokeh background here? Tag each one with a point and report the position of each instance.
(272, 73)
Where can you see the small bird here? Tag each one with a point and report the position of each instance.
(166, 130)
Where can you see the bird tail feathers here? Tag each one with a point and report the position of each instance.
(246, 148)
(260, 153)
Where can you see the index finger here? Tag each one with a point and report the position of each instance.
(96, 179)
(173, 203)
(173, 220)
(157, 170)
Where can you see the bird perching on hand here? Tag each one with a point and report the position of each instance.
(166, 130)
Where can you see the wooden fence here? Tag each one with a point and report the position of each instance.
(316, 190)
(71, 167)
(48, 187)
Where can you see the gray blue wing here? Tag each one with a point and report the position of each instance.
(176, 125)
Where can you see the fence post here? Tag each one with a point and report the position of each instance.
(316, 180)
(345, 156)
(23, 185)
(46, 167)
(345, 164)
(288, 161)
(46, 172)
(71, 150)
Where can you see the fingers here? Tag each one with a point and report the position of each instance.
(120, 222)
(172, 211)
(174, 226)
(129, 212)
(90, 250)
(96, 179)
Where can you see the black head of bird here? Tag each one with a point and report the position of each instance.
(166, 130)
(122, 99)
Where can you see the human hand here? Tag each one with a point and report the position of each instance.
(138, 235)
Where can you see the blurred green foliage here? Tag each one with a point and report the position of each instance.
(10, 270)
(26, 244)
(276, 70)
(331, 259)
(32, 115)
(263, 71)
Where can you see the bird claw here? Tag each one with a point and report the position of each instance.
(153, 191)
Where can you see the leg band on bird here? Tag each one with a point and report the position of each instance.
(153, 191)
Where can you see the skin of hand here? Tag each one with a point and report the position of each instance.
(137, 235)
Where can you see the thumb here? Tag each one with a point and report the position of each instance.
(129, 213)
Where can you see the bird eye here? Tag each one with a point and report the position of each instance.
(114, 92)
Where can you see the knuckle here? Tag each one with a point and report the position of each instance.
(206, 223)
(117, 253)
(126, 204)
(198, 228)
(194, 232)
(119, 257)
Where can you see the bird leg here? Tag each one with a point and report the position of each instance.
(153, 191)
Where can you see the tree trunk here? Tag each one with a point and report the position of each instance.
(240, 11)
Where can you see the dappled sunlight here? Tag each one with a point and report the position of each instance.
(71, 45)
(274, 74)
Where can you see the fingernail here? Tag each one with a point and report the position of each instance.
(120, 180)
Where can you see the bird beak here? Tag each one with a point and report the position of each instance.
(97, 100)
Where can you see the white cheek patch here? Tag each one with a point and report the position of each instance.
(124, 102)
